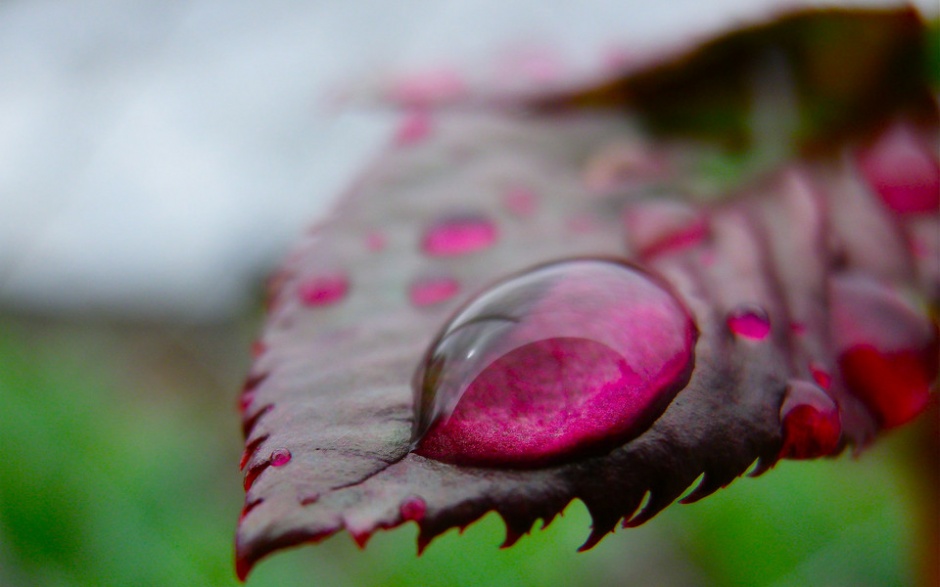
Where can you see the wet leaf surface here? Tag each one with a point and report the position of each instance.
(776, 278)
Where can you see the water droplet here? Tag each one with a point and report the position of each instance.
(415, 127)
(413, 508)
(749, 322)
(903, 171)
(427, 291)
(887, 348)
(323, 290)
(565, 359)
(280, 457)
(811, 424)
(458, 235)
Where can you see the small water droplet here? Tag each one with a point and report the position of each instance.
(427, 291)
(413, 508)
(415, 127)
(811, 424)
(458, 235)
(903, 171)
(565, 359)
(280, 457)
(749, 322)
(323, 290)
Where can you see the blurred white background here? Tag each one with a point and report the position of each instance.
(157, 158)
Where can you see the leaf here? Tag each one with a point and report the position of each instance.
(802, 289)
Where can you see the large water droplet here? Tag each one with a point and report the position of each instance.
(569, 358)
(458, 235)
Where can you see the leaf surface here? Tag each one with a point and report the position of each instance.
(776, 277)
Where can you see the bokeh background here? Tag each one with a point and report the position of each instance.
(156, 159)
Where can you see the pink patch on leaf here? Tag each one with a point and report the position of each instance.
(661, 227)
(566, 359)
(415, 127)
(428, 291)
(376, 241)
(520, 201)
(459, 235)
(428, 88)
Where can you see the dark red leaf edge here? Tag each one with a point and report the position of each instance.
(331, 382)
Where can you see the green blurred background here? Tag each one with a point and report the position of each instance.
(119, 467)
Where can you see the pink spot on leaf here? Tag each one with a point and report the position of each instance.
(749, 322)
(427, 291)
(428, 88)
(458, 235)
(520, 201)
(323, 290)
(376, 241)
(415, 127)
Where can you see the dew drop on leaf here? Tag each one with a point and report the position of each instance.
(323, 290)
(887, 349)
(749, 322)
(413, 508)
(811, 424)
(280, 457)
(563, 360)
(458, 235)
